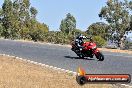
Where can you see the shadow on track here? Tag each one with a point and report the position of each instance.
(78, 58)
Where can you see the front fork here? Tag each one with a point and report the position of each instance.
(96, 51)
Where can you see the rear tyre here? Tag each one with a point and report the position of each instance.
(100, 56)
(81, 56)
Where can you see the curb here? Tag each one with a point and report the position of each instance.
(126, 85)
(41, 64)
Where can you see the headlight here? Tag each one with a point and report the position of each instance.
(94, 47)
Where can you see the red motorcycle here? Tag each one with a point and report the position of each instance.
(89, 50)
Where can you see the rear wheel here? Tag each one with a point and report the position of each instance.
(81, 56)
(100, 56)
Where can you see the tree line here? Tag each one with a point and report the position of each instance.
(18, 21)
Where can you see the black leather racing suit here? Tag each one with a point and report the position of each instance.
(79, 41)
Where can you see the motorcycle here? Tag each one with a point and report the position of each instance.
(89, 49)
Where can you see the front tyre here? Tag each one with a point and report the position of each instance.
(72, 49)
(100, 56)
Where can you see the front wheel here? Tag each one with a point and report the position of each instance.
(100, 56)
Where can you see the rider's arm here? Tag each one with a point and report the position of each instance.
(84, 37)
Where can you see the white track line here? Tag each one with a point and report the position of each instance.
(36, 63)
(48, 66)
(126, 85)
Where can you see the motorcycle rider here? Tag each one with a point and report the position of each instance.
(79, 41)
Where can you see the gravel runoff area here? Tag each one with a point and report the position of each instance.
(19, 74)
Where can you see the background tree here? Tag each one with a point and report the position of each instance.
(68, 24)
(24, 15)
(1, 27)
(99, 41)
(7, 18)
(37, 30)
(33, 12)
(98, 29)
(117, 15)
(130, 27)
(18, 20)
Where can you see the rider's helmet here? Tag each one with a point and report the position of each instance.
(81, 36)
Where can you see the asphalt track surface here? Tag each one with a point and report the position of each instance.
(63, 57)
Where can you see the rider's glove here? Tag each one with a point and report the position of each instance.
(80, 49)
